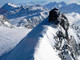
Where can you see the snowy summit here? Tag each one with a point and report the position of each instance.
(39, 44)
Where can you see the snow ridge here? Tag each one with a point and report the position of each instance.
(39, 44)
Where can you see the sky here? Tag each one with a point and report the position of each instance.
(2, 2)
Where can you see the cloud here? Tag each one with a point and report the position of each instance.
(73, 17)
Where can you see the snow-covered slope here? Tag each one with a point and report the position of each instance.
(4, 21)
(32, 14)
(25, 11)
(8, 7)
(36, 41)
(73, 17)
(10, 37)
(39, 44)
(76, 19)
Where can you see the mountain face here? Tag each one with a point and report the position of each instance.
(52, 5)
(25, 11)
(71, 8)
(2, 11)
(10, 37)
(66, 8)
(9, 7)
(4, 21)
(43, 43)
(32, 14)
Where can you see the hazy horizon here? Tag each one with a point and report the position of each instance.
(2, 2)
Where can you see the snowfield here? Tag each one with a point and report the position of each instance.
(35, 45)
(42, 42)
(73, 17)
(10, 37)
(39, 44)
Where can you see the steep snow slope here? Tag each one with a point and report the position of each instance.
(8, 7)
(38, 44)
(4, 21)
(10, 37)
(28, 47)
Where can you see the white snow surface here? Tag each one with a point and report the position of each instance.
(73, 17)
(10, 37)
(4, 21)
(13, 5)
(38, 44)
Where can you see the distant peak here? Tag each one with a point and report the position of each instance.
(10, 4)
(63, 3)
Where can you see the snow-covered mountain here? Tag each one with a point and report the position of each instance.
(4, 21)
(25, 11)
(52, 5)
(76, 23)
(33, 14)
(66, 8)
(9, 7)
(71, 8)
(42, 43)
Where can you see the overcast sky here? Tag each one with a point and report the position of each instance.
(2, 2)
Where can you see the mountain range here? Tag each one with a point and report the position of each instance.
(34, 14)
(9, 7)
(66, 8)
(45, 41)
(31, 15)
(52, 5)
